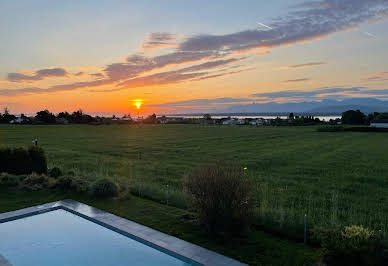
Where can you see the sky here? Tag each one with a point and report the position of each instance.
(189, 56)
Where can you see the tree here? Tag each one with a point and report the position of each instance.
(6, 117)
(207, 117)
(150, 119)
(291, 116)
(352, 117)
(45, 116)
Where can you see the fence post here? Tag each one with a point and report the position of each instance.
(305, 229)
(167, 196)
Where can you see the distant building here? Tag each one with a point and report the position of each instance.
(257, 122)
(380, 123)
(234, 122)
(18, 120)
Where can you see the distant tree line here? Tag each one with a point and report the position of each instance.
(76, 117)
(356, 117)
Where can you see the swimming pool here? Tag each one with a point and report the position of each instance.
(59, 237)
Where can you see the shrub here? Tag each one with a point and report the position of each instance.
(70, 183)
(55, 172)
(38, 160)
(37, 182)
(352, 245)
(64, 183)
(10, 180)
(104, 187)
(220, 194)
(20, 161)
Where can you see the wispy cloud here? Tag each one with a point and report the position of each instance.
(296, 80)
(38, 75)
(158, 40)
(203, 102)
(310, 20)
(382, 76)
(312, 64)
(306, 94)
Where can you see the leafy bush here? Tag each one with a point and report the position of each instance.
(37, 182)
(220, 194)
(104, 187)
(38, 160)
(55, 172)
(70, 183)
(20, 161)
(352, 245)
(10, 180)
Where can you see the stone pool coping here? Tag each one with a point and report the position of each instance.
(169, 244)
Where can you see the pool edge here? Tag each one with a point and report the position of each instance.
(156, 239)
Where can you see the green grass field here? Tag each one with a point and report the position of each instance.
(333, 177)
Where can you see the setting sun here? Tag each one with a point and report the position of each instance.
(138, 103)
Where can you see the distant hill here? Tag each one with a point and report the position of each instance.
(366, 105)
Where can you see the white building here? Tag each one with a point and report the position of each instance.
(18, 120)
(380, 123)
(257, 122)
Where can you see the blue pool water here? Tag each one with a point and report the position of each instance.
(65, 239)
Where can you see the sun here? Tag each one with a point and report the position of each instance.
(137, 103)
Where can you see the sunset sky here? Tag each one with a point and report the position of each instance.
(189, 56)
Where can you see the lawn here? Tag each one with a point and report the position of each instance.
(332, 177)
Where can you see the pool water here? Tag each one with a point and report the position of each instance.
(61, 238)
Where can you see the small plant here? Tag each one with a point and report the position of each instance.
(64, 183)
(220, 194)
(352, 245)
(55, 172)
(10, 180)
(37, 182)
(104, 187)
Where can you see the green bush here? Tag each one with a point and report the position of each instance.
(104, 187)
(38, 160)
(55, 172)
(220, 194)
(352, 245)
(71, 183)
(10, 180)
(64, 183)
(37, 182)
(20, 161)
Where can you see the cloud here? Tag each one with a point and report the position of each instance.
(224, 74)
(97, 75)
(203, 102)
(307, 21)
(38, 75)
(158, 40)
(306, 94)
(79, 74)
(296, 80)
(382, 76)
(161, 37)
(171, 77)
(305, 65)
